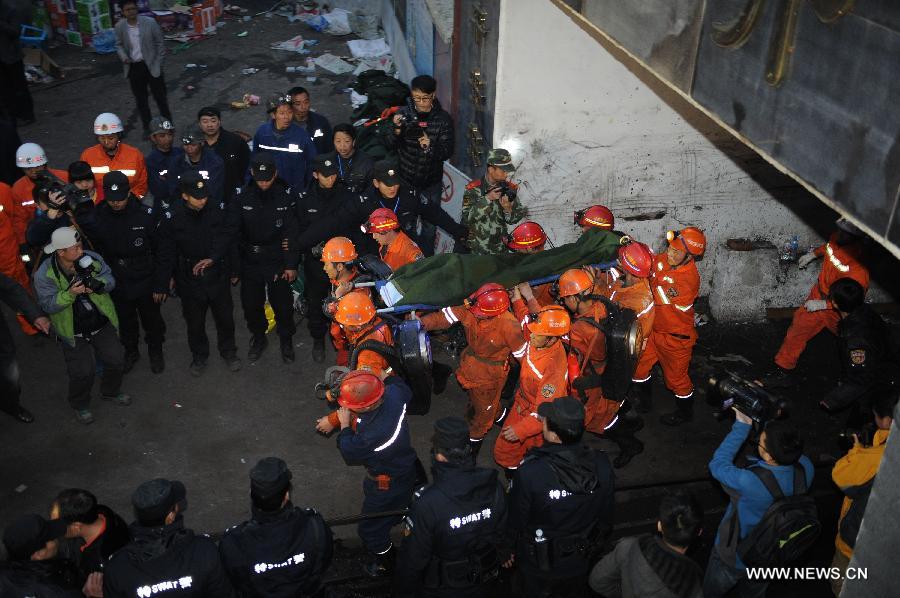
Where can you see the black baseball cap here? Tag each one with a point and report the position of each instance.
(270, 477)
(155, 499)
(29, 533)
(325, 164)
(192, 134)
(262, 166)
(193, 183)
(450, 433)
(387, 173)
(80, 171)
(115, 186)
(565, 412)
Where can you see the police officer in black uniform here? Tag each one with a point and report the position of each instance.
(313, 206)
(196, 251)
(454, 525)
(264, 220)
(124, 233)
(165, 558)
(868, 362)
(283, 550)
(560, 506)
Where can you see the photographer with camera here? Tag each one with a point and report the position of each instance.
(744, 535)
(854, 474)
(59, 203)
(32, 159)
(124, 232)
(72, 287)
(490, 204)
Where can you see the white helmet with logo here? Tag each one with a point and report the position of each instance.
(107, 124)
(30, 155)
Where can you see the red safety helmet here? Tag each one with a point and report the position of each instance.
(360, 389)
(574, 282)
(636, 258)
(488, 301)
(339, 250)
(551, 320)
(526, 236)
(692, 240)
(381, 220)
(354, 309)
(596, 216)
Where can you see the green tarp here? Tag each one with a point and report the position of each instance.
(449, 278)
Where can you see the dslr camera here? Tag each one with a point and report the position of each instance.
(505, 189)
(84, 273)
(750, 398)
(71, 196)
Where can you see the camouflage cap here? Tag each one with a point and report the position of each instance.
(501, 159)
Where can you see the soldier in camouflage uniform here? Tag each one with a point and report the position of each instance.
(487, 210)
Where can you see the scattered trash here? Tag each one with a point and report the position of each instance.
(191, 65)
(242, 34)
(243, 460)
(335, 22)
(365, 26)
(381, 63)
(189, 88)
(295, 44)
(311, 42)
(249, 71)
(34, 74)
(368, 48)
(701, 319)
(21, 488)
(104, 42)
(311, 79)
(176, 405)
(237, 105)
(251, 100)
(333, 64)
(357, 99)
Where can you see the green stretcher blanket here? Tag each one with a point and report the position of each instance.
(448, 278)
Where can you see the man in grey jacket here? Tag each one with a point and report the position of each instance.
(139, 42)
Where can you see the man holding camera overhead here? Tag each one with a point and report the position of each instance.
(72, 287)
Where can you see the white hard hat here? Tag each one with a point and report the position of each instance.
(107, 124)
(30, 155)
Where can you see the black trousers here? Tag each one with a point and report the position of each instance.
(140, 79)
(316, 287)
(10, 389)
(194, 310)
(147, 309)
(82, 366)
(253, 300)
(376, 533)
(14, 94)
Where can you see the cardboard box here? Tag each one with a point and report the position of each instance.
(39, 58)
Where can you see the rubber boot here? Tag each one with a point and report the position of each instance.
(476, 446)
(380, 565)
(684, 413)
(629, 446)
(258, 344)
(641, 396)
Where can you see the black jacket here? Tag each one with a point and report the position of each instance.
(171, 558)
(320, 132)
(127, 240)
(865, 346)
(281, 554)
(461, 515)
(187, 236)
(235, 154)
(210, 167)
(566, 491)
(95, 556)
(418, 167)
(355, 172)
(56, 578)
(265, 226)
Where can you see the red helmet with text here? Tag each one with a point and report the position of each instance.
(528, 235)
(636, 258)
(381, 220)
(360, 389)
(488, 301)
(596, 216)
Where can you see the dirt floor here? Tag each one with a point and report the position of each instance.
(209, 431)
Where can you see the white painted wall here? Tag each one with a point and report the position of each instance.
(584, 129)
(393, 35)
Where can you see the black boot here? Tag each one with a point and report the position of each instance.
(131, 358)
(318, 350)
(440, 373)
(779, 377)
(258, 344)
(287, 349)
(380, 565)
(684, 413)
(476, 446)
(641, 396)
(157, 361)
(629, 446)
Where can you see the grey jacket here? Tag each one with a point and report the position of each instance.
(151, 44)
(626, 573)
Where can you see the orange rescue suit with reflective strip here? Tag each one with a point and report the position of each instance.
(127, 159)
(839, 261)
(638, 297)
(674, 293)
(400, 252)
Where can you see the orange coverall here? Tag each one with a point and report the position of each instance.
(22, 191)
(638, 297)
(590, 343)
(335, 330)
(839, 262)
(544, 376)
(672, 341)
(484, 364)
(127, 159)
(400, 252)
(10, 261)
(368, 360)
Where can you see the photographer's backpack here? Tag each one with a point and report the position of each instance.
(787, 529)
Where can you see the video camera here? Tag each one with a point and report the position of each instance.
(84, 273)
(505, 189)
(72, 197)
(750, 398)
(411, 125)
(866, 434)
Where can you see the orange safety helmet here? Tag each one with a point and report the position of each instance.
(488, 301)
(359, 389)
(551, 320)
(354, 309)
(575, 282)
(340, 250)
(596, 216)
(693, 241)
(525, 236)
(636, 258)
(381, 220)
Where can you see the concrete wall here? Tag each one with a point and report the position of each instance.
(394, 37)
(585, 128)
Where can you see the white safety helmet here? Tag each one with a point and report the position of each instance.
(30, 155)
(107, 124)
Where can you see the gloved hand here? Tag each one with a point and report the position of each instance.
(815, 305)
(806, 259)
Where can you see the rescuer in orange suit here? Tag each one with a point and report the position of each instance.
(493, 334)
(32, 159)
(675, 283)
(394, 246)
(529, 237)
(10, 255)
(586, 338)
(842, 256)
(338, 257)
(542, 378)
(111, 154)
(628, 283)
